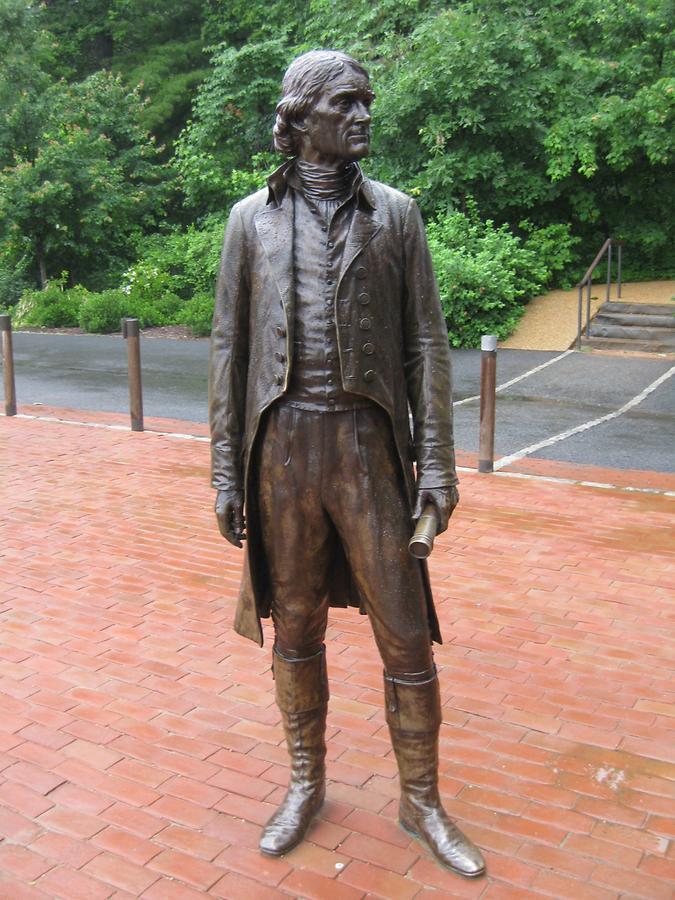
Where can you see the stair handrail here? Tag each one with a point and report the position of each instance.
(586, 282)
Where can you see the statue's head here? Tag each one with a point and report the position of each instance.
(323, 114)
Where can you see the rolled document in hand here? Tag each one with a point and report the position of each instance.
(422, 542)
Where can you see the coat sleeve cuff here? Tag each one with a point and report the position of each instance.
(226, 475)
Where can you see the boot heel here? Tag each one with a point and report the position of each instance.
(408, 828)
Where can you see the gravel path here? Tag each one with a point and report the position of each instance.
(550, 321)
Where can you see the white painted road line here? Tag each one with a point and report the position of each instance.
(502, 387)
(109, 427)
(548, 442)
(181, 436)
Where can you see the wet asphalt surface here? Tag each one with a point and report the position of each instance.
(89, 372)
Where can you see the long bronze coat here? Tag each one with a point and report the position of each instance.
(392, 343)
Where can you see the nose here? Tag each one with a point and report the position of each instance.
(362, 114)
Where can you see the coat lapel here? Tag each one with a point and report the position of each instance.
(362, 230)
(274, 226)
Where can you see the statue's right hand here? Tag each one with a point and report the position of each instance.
(230, 516)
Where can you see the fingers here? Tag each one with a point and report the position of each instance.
(444, 499)
(443, 517)
(230, 517)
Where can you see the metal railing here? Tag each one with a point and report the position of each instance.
(586, 283)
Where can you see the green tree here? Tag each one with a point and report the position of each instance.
(233, 115)
(80, 199)
(26, 55)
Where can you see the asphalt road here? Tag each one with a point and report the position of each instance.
(89, 372)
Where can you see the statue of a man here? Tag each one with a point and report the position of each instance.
(327, 330)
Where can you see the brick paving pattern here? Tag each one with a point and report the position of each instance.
(140, 746)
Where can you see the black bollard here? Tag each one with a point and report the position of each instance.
(131, 333)
(488, 402)
(8, 365)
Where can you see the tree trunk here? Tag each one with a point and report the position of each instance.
(42, 266)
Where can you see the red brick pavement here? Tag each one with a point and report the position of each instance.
(140, 747)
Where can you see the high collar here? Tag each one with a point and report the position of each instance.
(285, 176)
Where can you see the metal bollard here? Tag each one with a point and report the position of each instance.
(488, 398)
(131, 333)
(8, 365)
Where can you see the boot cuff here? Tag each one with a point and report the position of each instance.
(413, 707)
(301, 684)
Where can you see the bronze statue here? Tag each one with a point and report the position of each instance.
(327, 329)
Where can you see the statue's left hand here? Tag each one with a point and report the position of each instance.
(445, 499)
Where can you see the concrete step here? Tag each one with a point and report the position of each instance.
(629, 344)
(631, 332)
(648, 327)
(630, 319)
(639, 309)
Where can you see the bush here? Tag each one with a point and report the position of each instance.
(552, 247)
(101, 313)
(53, 307)
(197, 313)
(188, 258)
(13, 283)
(150, 295)
(486, 273)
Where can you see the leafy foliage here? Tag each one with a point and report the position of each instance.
(54, 307)
(197, 313)
(188, 257)
(89, 186)
(150, 295)
(485, 273)
(529, 132)
(102, 313)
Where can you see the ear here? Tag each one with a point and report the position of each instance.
(299, 125)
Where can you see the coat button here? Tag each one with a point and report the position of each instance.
(365, 324)
(361, 272)
(280, 357)
(369, 375)
(368, 349)
(281, 331)
(364, 299)
(278, 379)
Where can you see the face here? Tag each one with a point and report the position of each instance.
(337, 127)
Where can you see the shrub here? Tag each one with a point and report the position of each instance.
(197, 313)
(552, 247)
(486, 273)
(189, 258)
(53, 307)
(13, 283)
(150, 295)
(101, 313)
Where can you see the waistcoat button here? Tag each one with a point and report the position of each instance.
(368, 349)
(364, 299)
(361, 272)
(369, 375)
(365, 324)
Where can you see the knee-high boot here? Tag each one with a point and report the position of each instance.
(302, 697)
(413, 712)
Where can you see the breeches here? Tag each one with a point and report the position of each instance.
(331, 479)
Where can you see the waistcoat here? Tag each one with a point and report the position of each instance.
(321, 230)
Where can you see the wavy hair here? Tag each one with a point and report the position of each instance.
(301, 87)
